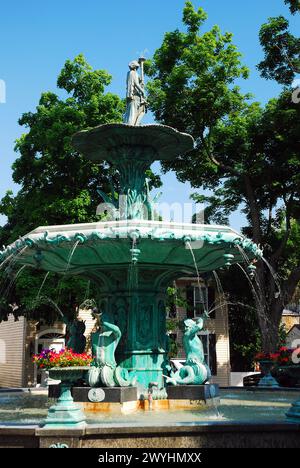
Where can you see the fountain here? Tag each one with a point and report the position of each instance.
(133, 258)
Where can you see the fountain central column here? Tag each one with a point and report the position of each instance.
(140, 313)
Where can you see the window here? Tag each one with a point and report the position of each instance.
(209, 348)
(199, 300)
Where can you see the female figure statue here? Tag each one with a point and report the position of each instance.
(135, 96)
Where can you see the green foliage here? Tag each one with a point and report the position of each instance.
(58, 294)
(172, 325)
(261, 144)
(281, 50)
(294, 5)
(173, 348)
(174, 300)
(191, 80)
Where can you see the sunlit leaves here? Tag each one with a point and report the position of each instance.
(281, 50)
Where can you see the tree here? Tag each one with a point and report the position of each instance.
(247, 154)
(244, 332)
(192, 76)
(294, 5)
(58, 185)
(281, 48)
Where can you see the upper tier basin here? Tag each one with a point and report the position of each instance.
(103, 245)
(115, 142)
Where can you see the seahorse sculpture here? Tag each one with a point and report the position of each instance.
(194, 371)
(104, 370)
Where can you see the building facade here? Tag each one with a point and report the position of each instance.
(20, 340)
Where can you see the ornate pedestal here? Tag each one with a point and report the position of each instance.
(193, 392)
(268, 380)
(65, 412)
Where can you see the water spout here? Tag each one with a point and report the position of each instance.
(42, 285)
(47, 299)
(71, 254)
(4, 293)
(189, 246)
(273, 273)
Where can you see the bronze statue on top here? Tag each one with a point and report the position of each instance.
(136, 104)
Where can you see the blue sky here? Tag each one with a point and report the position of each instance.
(37, 37)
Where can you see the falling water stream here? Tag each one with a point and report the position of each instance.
(5, 289)
(71, 255)
(273, 273)
(211, 390)
(48, 299)
(259, 293)
(42, 285)
(255, 293)
(250, 283)
(197, 271)
(14, 257)
(6, 260)
(72, 251)
(5, 293)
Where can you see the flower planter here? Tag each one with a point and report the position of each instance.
(294, 411)
(65, 412)
(268, 380)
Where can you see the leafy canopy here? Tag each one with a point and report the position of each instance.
(281, 50)
(192, 73)
(294, 5)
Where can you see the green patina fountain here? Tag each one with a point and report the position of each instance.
(133, 258)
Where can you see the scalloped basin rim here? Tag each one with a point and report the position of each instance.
(114, 232)
(69, 368)
(99, 143)
(86, 248)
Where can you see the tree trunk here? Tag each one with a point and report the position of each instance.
(270, 303)
(269, 308)
(269, 326)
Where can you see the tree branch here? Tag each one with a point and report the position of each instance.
(213, 159)
(286, 236)
(291, 284)
(254, 211)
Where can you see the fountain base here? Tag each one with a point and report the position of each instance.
(125, 399)
(193, 392)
